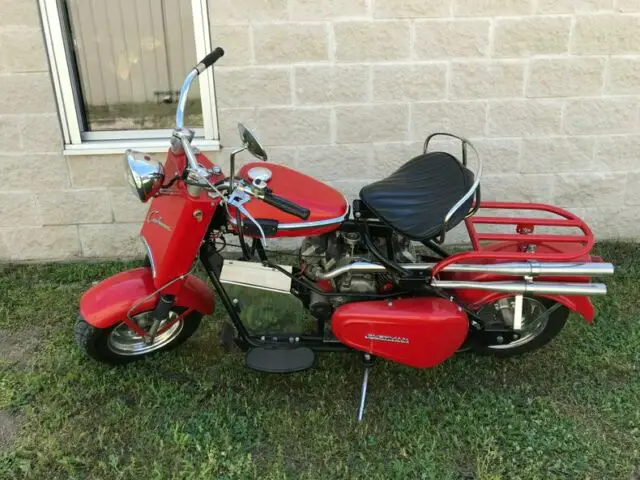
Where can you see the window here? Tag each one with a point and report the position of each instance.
(117, 66)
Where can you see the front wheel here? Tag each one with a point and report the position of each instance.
(542, 320)
(119, 344)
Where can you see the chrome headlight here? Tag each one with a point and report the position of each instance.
(143, 174)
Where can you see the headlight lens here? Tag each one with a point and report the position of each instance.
(143, 174)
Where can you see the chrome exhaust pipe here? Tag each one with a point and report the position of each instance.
(534, 268)
(520, 269)
(356, 267)
(542, 288)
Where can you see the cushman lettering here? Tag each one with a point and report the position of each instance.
(154, 217)
(386, 338)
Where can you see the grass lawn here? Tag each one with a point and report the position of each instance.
(570, 411)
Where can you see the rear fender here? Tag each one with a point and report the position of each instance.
(108, 302)
(477, 298)
(581, 305)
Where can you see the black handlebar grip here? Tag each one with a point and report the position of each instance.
(209, 60)
(286, 205)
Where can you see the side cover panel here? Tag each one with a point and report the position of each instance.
(107, 303)
(420, 332)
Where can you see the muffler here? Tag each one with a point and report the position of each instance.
(542, 288)
(534, 268)
(520, 269)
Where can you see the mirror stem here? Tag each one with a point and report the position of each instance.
(232, 162)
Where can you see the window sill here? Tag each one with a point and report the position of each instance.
(110, 147)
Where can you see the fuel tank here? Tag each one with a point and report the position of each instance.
(328, 207)
(419, 332)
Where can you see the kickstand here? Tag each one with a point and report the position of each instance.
(367, 362)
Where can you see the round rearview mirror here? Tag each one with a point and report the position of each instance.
(250, 142)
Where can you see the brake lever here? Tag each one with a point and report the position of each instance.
(238, 198)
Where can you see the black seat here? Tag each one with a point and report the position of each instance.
(415, 199)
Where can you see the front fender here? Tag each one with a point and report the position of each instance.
(108, 302)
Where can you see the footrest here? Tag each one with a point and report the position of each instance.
(280, 359)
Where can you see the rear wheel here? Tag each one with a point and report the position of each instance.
(542, 320)
(119, 344)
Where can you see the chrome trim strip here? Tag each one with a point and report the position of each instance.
(153, 263)
(320, 223)
(473, 188)
(303, 225)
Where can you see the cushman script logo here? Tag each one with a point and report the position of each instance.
(386, 338)
(154, 217)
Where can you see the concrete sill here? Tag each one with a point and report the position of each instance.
(110, 147)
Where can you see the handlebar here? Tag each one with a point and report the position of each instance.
(286, 205)
(205, 63)
(185, 139)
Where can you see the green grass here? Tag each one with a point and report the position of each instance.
(571, 410)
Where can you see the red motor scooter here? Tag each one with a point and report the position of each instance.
(374, 276)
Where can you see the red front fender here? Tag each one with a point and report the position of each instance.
(107, 303)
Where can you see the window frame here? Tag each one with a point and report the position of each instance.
(77, 142)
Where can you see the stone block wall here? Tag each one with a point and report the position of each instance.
(549, 90)
(347, 90)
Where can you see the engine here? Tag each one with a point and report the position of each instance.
(321, 254)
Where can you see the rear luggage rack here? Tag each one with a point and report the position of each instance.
(525, 254)
(524, 243)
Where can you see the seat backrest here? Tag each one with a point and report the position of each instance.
(472, 197)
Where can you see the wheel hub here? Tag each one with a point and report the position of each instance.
(499, 317)
(124, 341)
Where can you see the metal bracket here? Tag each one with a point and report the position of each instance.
(517, 313)
(238, 199)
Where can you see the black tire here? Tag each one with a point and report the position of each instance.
(556, 322)
(94, 342)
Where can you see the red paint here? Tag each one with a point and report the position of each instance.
(580, 305)
(556, 247)
(324, 202)
(107, 303)
(176, 224)
(433, 327)
(476, 299)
